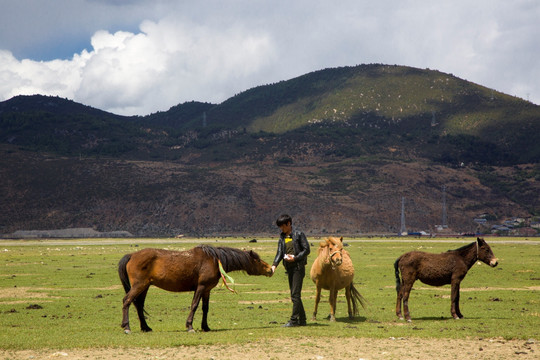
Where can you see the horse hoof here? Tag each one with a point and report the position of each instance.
(409, 320)
(192, 331)
(401, 318)
(127, 331)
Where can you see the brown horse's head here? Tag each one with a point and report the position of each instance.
(484, 253)
(333, 248)
(258, 265)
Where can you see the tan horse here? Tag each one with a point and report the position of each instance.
(333, 270)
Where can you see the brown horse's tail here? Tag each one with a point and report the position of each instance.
(357, 298)
(398, 278)
(124, 278)
(122, 272)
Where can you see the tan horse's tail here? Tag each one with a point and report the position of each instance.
(357, 298)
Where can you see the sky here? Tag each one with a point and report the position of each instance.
(136, 57)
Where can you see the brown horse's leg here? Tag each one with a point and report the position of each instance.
(333, 301)
(132, 294)
(317, 299)
(125, 314)
(194, 304)
(139, 305)
(205, 307)
(454, 309)
(349, 304)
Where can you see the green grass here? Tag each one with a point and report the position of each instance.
(79, 293)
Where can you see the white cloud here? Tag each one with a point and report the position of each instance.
(166, 63)
(28, 77)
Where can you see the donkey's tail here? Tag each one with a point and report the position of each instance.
(357, 298)
(398, 278)
(122, 272)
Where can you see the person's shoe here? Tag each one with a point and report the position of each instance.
(290, 324)
(302, 323)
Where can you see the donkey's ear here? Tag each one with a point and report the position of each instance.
(341, 239)
(480, 241)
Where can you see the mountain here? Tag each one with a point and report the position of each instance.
(336, 148)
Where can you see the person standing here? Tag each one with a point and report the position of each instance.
(293, 249)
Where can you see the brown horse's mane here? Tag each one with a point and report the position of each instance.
(232, 259)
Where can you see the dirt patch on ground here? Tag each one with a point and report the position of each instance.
(24, 293)
(308, 348)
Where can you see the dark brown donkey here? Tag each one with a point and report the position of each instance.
(192, 270)
(438, 269)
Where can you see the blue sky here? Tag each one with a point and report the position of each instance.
(135, 57)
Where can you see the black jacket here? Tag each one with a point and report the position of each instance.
(301, 248)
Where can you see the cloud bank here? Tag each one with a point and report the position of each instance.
(164, 52)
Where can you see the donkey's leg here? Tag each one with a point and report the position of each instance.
(398, 302)
(405, 292)
(317, 299)
(205, 307)
(349, 303)
(454, 309)
(194, 304)
(139, 305)
(131, 295)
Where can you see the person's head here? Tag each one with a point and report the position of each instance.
(284, 222)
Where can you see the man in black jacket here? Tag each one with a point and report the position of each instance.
(293, 249)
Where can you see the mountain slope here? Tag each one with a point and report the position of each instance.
(336, 148)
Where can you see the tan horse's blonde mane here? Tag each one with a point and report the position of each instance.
(324, 249)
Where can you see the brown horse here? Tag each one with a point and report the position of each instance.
(192, 270)
(438, 269)
(333, 270)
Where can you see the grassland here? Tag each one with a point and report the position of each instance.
(66, 295)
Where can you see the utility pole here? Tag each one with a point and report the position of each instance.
(403, 230)
(444, 224)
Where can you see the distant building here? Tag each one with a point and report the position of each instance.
(525, 231)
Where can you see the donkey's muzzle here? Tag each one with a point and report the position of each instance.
(493, 263)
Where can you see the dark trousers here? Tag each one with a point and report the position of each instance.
(296, 275)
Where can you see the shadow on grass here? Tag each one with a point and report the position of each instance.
(265, 327)
(444, 318)
(346, 319)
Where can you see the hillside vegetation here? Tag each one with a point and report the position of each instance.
(337, 148)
